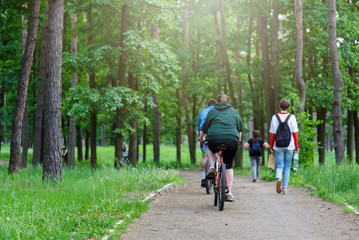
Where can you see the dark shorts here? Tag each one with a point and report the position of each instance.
(229, 153)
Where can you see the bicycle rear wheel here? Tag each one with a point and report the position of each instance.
(209, 182)
(222, 187)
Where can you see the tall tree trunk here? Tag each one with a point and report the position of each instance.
(2, 117)
(156, 112)
(322, 116)
(120, 120)
(268, 91)
(92, 85)
(87, 145)
(178, 127)
(225, 57)
(338, 85)
(132, 152)
(72, 128)
(25, 126)
(299, 53)
(185, 91)
(15, 147)
(79, 144)
(350, 135)
(144, 153)
(52, 168)
(218, 49)
(275, 54)
(356, 127)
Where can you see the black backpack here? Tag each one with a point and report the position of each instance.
(256, 148)
(283, 134)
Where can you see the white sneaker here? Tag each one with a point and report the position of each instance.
(284, 191)
(229, 197)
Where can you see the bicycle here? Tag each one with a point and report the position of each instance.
(220, 180)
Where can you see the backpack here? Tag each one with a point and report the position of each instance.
(256, 148)
(283, 134)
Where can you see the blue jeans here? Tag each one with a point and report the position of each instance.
(283, 161)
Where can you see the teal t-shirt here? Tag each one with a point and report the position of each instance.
(223, 122)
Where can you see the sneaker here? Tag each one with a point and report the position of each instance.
(203, 183)
(255, 180)
(279, 185)
(284, 191)
(229, 197)
(210, 173)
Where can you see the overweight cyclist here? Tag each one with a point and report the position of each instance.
(223, 125)
(204, 147)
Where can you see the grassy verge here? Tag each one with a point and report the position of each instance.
(85, 204)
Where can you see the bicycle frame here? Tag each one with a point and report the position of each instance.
(218, 176)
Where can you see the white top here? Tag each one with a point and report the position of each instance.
(292, 124)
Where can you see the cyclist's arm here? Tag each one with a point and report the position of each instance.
(240, 137)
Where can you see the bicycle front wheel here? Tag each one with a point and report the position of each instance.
(222, 187)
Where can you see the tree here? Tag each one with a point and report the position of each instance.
(52, 168)
(299, 53)
(156, 112)
(338, 84)
(15, 148)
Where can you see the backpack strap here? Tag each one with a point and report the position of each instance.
(287, 119)
(278, 117)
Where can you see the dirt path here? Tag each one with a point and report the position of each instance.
(187, 212)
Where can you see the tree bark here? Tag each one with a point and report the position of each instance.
(156, 112)
(52, 168)
(92, 85)
(185, 91)
(322, 116)
(178, 127)
(356, 127)
(299, 53)
(144, 153)
(268, 91)
(79, 144)
(15, 147)
(120, 120)
(225, 57)
(87, 145)
(72, 128)
(338, 85)
(132, 152)
(275, 54)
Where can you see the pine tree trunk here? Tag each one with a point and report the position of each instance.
(178, 127)
(356, 137)
(52, 168)
(132, 152)
(275, 54)
(218, 50)
(38, 130)
(144, 153)
(87, 145)
(25, 137)
(120, 121)
(338, 85)
(92, 85)
(322, 116)
(268, 91)
(299, 53)
(79, 144)
(72, 128)
(15, 148)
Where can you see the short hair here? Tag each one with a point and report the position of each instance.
(284, 104)
(222, 98)
(256, 133)
(212, 102)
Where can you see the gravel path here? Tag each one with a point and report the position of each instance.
(187, 212)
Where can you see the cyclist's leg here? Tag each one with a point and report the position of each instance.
(228, 156)
(204, 149)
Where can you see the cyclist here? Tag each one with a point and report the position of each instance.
(223, 125)
(204, 147)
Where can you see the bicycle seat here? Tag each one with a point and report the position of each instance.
(222, 147)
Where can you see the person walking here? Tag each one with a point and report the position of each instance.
(204, 146)
(255, 145)
(223, 125)
(283, 141)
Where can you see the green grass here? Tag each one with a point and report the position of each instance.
(85, 204)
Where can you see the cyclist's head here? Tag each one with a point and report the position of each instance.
(284, 104)
(212, 102)
(222, 98)
(256, 133)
